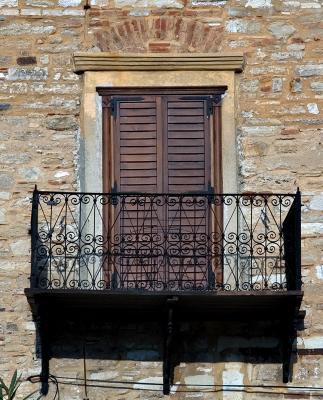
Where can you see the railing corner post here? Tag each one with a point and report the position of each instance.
(34, 233)
(298, 234)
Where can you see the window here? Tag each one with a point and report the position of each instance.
(159, 147)
(165, 141)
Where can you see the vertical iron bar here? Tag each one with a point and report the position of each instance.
(138, 266)
(34, 239)
(297, 240)
(94, 241)
(166, 229)
(265, 244)
(280, 242)
(237, 242)
(44, 332)
(150, 261)
(50, 250)
(79, 242)
(251, 243)
(65, 243)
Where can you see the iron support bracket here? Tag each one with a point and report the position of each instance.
(168, 365)
(44, 349)
(289, 337)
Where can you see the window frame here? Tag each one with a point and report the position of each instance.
(213, 92)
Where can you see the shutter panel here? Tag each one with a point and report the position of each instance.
(162, 144)
(138, 169)
(188, 149)
(136, 166)
(187, 145)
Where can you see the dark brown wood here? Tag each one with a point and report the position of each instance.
(218, 186)
(217, 126)
(161, 142)
(106, 174)
(126, 91)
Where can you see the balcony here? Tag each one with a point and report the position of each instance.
(193, 255)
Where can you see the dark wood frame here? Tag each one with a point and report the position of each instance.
(107, 144)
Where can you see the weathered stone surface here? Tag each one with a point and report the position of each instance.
(26, 60)
(281, 29)
(310, 70)
(3, 219)
(314, 228)
(61, 122)
(317, 86)
(26, 29)
(207, 2)
(69, 3)
(259, 3)
(6, 181)
(22, 74)
(277, 85)
(8, 3)
(242, 26)
(30, 174)
(20, 247)
(232, 376)
(313, 108)
(316, 202)
(278, 120)
(296, 85)
(150, 3)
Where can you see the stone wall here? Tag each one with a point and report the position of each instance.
(279, 140)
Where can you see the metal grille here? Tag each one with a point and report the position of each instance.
(165, 242)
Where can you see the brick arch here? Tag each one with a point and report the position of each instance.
(159, 34)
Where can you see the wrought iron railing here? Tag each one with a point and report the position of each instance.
(165, 242)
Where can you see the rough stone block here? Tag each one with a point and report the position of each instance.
(20, 247)
(26, 60)
(150, 3)
(313, 108)
(277, 85)
(22, 74)
(296, 85)
(69, 3)
(310, 70)
(207, 2)
(259, 3)
(6, 181)
(25, 28)
(242, 26)
(3, 218)
(281, 29)
(8, 3)
(312, 229)
(61, 122)
(317, 86)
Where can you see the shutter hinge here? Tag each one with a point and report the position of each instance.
(114, 196)
(211, 102)
(113, 103)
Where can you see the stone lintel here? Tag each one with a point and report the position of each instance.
(157, 62)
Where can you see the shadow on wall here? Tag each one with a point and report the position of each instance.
(124, 338)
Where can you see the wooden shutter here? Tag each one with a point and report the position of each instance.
(188, 145)
(137, 131)
(162, 144)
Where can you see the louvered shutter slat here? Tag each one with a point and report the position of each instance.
(136, 126)
(187, 142)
